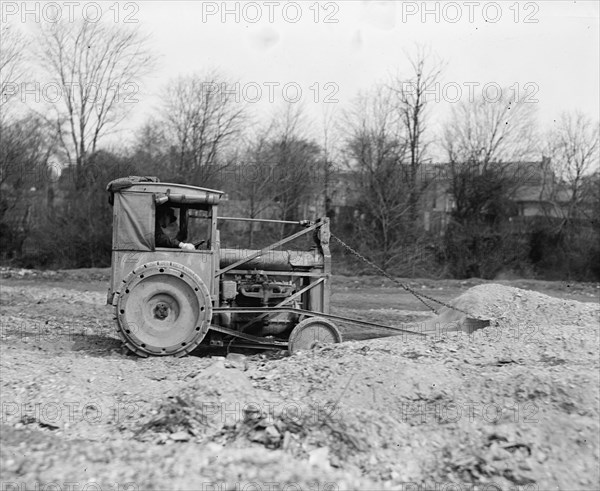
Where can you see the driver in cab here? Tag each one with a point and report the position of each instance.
(167, 232)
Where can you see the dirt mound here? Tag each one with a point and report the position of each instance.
(508, 305)
(512, 406)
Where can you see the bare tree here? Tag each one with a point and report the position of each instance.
(573, 146)
(97, 69)
(12, 134)
(486, 143)
(376, 149)
(295, 158)
(204, 120)
(253, 178)
(25, 147)
(566, 241)
(330, 158)
(413, 104)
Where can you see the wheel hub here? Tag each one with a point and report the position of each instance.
(161, 311)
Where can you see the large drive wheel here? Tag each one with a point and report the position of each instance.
(313, 331)
(163, 308)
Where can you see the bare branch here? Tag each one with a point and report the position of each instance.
(12, 65)
(485, 132)
(573, 146)
(94, 64)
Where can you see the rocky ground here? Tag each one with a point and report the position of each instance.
(514, 406)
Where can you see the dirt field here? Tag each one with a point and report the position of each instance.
(514, 406)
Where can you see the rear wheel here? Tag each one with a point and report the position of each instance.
(163, 309)
(312, 332)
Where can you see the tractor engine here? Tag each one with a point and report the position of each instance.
(257, 290)
(260, 287)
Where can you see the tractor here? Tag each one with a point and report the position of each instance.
(168, 301)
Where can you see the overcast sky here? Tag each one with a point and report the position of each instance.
(548, 50)
(559, 53)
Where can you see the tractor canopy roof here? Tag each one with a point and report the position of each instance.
(164, 191)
